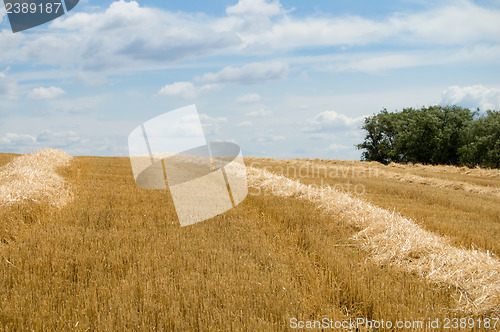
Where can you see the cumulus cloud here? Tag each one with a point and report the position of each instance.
(256, 7)
(179, 89)
(26, 143)
(472, 97)
(46, 93)
(455, 23)
(252, 73)
(120, 38)
(18, 140)
(186, 90)
(332, 121)
(58, 139)
(248, 98)
(124, 36)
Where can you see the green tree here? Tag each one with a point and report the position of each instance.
(379, 143)
(456, 123)
(433, 135)
(418, 136)
(486, 147)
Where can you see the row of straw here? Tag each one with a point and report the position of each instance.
(385, 172)
(393, 240)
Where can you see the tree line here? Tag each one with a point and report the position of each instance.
(449, 135)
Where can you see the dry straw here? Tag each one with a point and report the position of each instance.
(34, 178)
(388, 173)
(394, 240)
(477, 171)
(440, 183)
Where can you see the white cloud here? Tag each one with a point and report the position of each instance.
(2, 13)
(245, 124)
(248, 98)
(269, 138)
(185, 90)
(25, 143)
(256, 7)
(48, 138)
(86, 104)
(456, 23)
(90, 78)
(332, 121)
(472, 97)
(293, 33)
(259, 113)
(8, 86)
(252, 73)
(18, 140)
(179, 89)
(338, 147)
(373, 62)
(362, 103)
(121, 37)
(8, 43)
(126, 36)
(382, 62)
(46, 93)
(212, 125)
(76, 134)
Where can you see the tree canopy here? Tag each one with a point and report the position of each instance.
(449, 135)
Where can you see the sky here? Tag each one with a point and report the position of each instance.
(283, 79)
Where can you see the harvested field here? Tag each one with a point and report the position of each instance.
(477, 180)
(468, 219)
(114, 257)
(394, 240)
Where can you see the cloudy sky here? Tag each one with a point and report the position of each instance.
(283, 78)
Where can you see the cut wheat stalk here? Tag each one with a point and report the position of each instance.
(379, 170)
(394, 240)
(33, 177)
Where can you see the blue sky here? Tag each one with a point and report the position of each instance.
(283, 79)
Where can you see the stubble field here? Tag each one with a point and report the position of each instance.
(407, 243)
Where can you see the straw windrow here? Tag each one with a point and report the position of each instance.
(34, 178)
(427, 179)
(394, 240)
(441, 183)
(477, 171)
